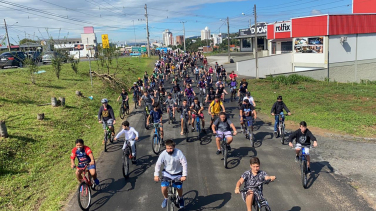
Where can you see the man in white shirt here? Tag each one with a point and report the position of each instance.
(250, 99)
(175, 168)
(130, 134)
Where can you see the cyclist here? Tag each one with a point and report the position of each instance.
(218, 83)
(223, 74)
(210, 96)
(197, 73)
(175, 79)
(233, 84)
(140, 84)
(171, 104)
(214, 108)
(156, 117)
(244, 81)
(136, 90)
(198, 109)
(185, 112)
(223, 126)
(146, 78)
(247, 113)
(218, 72)
(250, 98)
(221, 92)
(303, 138)
(202, 86)
(85, 157)
(233, 75)
(242, 90)
(107, 114)
(131, 135)
(251, 178)
(209, 80)
(124, 96)
(278, 109)
(175, 167)
(176, 90)
(211, 71)
(188, 80)
(161, 77)
(189, 93)
(148, 100)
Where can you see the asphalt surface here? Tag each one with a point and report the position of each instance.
(209, 185)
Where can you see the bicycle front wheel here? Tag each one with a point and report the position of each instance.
(121, 112)
(105, 141)
(225, 155)
(250, 136)
(282, 135)
(156, 144)
(84, 196)
(304, 174)
(125, 164)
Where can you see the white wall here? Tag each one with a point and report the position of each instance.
(313, 58)
(278, 48)
(275, 64)
(366, 46)
(339, 52)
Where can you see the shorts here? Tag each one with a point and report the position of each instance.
(160, 124)
(200, 115)
(248, 118)
(165, 183)
(226, 133)
(89, 167)
(108, 123)
(306, 148)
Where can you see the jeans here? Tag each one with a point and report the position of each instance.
(277, 120)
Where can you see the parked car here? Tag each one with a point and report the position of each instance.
(34, 55)
(13, 58)
(48, 56)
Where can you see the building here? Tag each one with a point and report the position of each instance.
(179, 40)
(168, 39)
(247, 37)
(205, 34)
(217, 39)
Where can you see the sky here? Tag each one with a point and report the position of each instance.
(124, 20)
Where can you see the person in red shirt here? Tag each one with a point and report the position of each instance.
(233, 75)
(85, 157)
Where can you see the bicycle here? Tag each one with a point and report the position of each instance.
(177, 97)
(249, 132)
(156, 140)
(107, 137)
(240, 101)
(173, 197)
(303, 167)
(185, 126)
(123, 109)
(127, 152)
(84, 189)
(135, 99)
(202, 94)
(281, 128)
(171, 115)
(198, 126)
(259, 202)
(190, 100)
(224, 150)
(146, 115)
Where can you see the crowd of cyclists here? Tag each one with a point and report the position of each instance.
(175, 70)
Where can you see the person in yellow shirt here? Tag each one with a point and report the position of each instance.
(215, 108)
(173, 68)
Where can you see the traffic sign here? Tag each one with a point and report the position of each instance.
(105, 42)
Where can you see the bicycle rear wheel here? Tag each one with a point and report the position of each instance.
(304, 174)
(126, 163)
(84, 196)
(105, 141)
(127, 110)
(156, 144)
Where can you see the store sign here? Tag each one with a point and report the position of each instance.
(308, 45)
(261, 30)
(282, 27)
(78, 46)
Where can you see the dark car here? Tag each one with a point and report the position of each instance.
(14, 58)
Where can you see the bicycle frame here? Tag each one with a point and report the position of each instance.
(86, 179)
(258, 199)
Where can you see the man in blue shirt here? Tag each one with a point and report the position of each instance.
(156, 117)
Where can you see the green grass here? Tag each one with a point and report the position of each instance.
(340, 107)
(35, 169)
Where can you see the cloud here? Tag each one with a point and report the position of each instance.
(316, 12)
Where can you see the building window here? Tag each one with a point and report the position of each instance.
(246, 43)
(70, 42)
(286, 47)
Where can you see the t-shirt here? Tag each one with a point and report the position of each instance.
(232, 75)
(223, 72)
(156, 115)
(242, 89)
(188, 80)
(233, 84)
(197, 106)
(250, 98)
(170, 102)
(302, 138)
(82, 156)
(247, 109)
(189, 92)
(251, 180)
(246, 84)
(146, 77)
(134, 88)
(176, 89)
(139, 83)
(211, 95)
(147, 99)
(106, 114)
(223, 126)
(216, 106)
(124, 95)
(220, 90)
(197, 71)
(184, 109)
(201, 84)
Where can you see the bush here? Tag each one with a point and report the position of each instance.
(291, 79)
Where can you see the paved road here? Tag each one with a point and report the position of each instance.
(209, 185)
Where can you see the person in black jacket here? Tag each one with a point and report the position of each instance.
(278, 109)
(303, 138)
(106, 113)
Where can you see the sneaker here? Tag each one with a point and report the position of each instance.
(296, 158)
(309, 170)
(134, 160)
(164, 203)
(228, 147)
(218, 152)
(96, 181)
(193, 129)
(181, 203)
(242, 130)
(275, 133)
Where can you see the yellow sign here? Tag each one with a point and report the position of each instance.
(105, 42)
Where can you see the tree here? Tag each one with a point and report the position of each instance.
(26, 40)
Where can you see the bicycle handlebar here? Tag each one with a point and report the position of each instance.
(255, 186)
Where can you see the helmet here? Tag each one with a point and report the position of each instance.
(134, 83)
(104, 100)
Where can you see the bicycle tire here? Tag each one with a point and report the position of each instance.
(121, 113)
(282, 135)
(86, 192)
(186, 131)
(111, 137)
(265, 208)
(105, 141)
(250, 136)
(127, 110)
(304, 174)
(225, 155)
(135, 102)
(125, 164)
(145, 120)
(155, 142)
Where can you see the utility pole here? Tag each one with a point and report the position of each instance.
(255, 42)
(228, 38)
(147, 29)
(6, 31)
(134, 31)
(91, 78)
(184, 33)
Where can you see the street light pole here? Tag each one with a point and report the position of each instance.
(228, 38)
(184, 34)
(134, 31)
(147, 29)
(6, 31)
(255, 42)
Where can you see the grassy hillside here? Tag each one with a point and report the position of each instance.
(346, 108)
(35, 172)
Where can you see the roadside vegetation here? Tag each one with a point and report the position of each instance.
(35, 169)
(342, 107)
